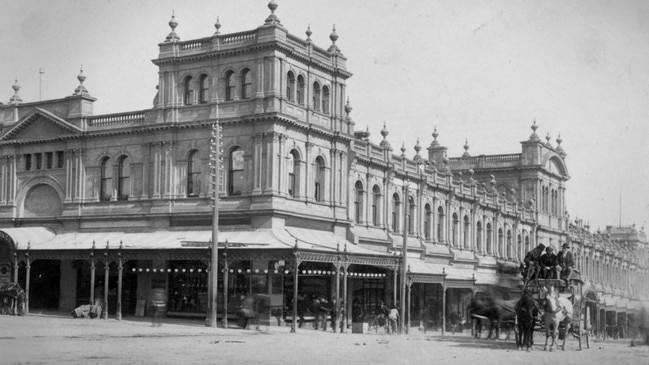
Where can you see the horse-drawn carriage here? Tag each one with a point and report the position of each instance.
(12, 299)
(554, 307)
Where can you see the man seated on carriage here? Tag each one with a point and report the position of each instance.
(566, 262)
(531, 262)
(549, 265)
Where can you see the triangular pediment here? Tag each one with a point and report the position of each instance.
(38, 125)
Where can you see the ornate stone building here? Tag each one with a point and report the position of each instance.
(111, 206)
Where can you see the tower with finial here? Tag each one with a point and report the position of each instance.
(436, 152)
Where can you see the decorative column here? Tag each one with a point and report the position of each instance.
(120, 268)
(16, 265)
(92, 274)
(337, 309)
(443, 306)
(226, 265)
(106, 280)
(345, 296)
(28, 267)
(296, 269)
(408, 297)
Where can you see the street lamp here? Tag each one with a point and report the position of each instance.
(215, 164)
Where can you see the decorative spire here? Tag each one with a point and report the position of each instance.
(172, 37)
(272, 18)
(15, 99)
(559, 148)
(308, 33)
(334, 37)
(217, 25)
(466, 149)
(348, 107)
(384, 143)
(534, 136)
(435, 143)
(81, 89)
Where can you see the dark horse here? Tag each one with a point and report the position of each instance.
(316, 306)
(498, 312)
(527, 311)
(12, 299)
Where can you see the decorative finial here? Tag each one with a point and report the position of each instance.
(348, 107)
(559, 148)
(308, 33)
(435, 143)
(15, 99)
(547, 138)
(417, 146)
(217, 25)
(403, 149)
(272, 18)
(534, 136)
(81, 89)
(384, 143)
(172, 36)
(334, 37)
(466, 149)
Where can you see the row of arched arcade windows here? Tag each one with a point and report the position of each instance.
(107, 185)
(550, 200)
(236, 84)
(294, 183)
(296, 93)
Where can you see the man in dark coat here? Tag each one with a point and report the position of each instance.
(565, 261)
(531, 262)
(549, 264)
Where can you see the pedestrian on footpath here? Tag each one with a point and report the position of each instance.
(393, 319)
(159, 305)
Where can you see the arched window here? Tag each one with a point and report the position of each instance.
(293, 167)
(501, 243)
(236, 176)
(193, 174)
(396, 208)
(510, 246)
(106, 187)
(490, 235)
(519, 247)
(300, 90)
(478, 237)
(124, 178)
(319, 179)
(325, 100)
(376, 205)
(358, 202)
(428, 215)
(454, 228)
(467, 229)
(189, 93)
(290, 86)
(230, 83)
(440, 224)
(316, 96)
(246, 84)
(203, 95)
(411, 215)
(527, 244)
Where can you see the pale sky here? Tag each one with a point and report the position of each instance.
(478, 70)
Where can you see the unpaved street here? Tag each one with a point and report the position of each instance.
(49, 339)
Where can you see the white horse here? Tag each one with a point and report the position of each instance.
(557, 310)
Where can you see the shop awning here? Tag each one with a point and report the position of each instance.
(22, 237)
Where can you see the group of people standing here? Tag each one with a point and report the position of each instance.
(542, 263)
